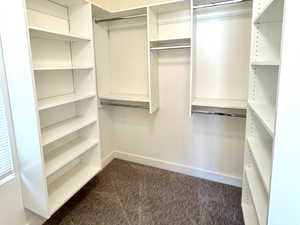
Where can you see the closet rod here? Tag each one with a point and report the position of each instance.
(219, 4)
(121, 18)
(124, 105)
(170, 47)
(221, 114)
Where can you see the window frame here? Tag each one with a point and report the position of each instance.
(7, 109)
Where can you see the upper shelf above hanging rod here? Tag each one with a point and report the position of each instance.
(219, 4)
(121, 18)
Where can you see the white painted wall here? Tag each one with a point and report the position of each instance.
(205, 146)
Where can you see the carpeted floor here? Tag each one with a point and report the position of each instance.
(125, 193)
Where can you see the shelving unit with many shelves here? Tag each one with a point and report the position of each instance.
(262, 108)
(68, 150)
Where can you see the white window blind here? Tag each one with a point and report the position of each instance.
(6, 166)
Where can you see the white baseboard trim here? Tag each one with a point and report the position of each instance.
(107, 159)
(179, 168)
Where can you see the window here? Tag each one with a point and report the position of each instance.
(6, 165)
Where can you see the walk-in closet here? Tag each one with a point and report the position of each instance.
(149, 112)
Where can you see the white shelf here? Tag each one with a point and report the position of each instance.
(62, 100)
(64, 128)
(266, 115)
(220, 103)
(67, 185)
(271, 12)
(263, 160)
(63, 68)
(37, 32)
(69, 2)
(171, 40)
(249, 215)
(60, 157)
(265, 63)
(100, 12)
(126, 97)
(258, 194)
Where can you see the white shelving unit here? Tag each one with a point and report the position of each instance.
(68, 150)
(122, 70)
(262, 105)
(129, 75)
(58, 130)
(214, 82)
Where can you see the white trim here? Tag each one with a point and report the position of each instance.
(7, 178)
(175, 167)
(107, 159)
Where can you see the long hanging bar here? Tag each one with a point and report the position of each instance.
(121, 18)
(218, 4)
(220, 114)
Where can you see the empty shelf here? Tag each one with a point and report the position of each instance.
(171, 40)
(126, 97)
(62, 100)
(100, 12)
(266, 115)
(64, 128)
(60, 157)
(37, 32)
(63, 68)
(220, 103)
(265, 63)
(263, 160)
(67, 185)
(249, 215)
(170, 47)
(271, 12)
(258, 194)
(70, 2)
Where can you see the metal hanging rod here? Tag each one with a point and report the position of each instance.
(121, 18)
(170, 47)
(218, 4)
(124, 105)
(220, 114)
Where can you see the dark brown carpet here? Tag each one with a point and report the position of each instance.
(125, 193)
